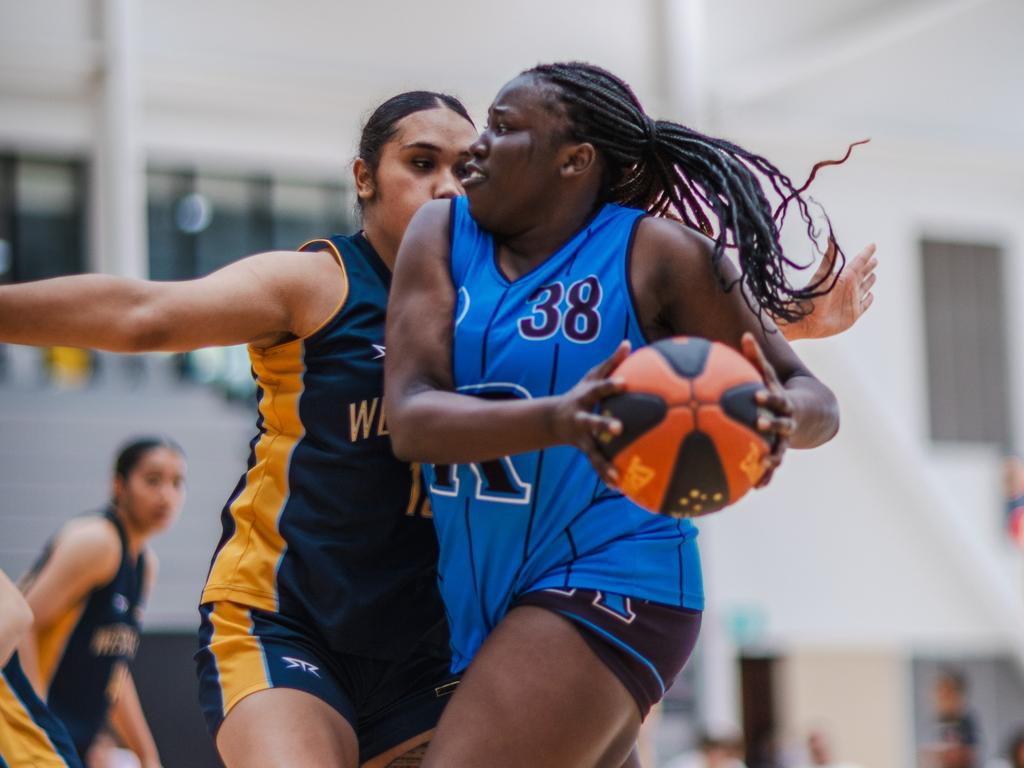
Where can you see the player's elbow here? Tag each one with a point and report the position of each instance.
(830, 415)
(144, 329)
(403, 441)
(404, 431)
(402, 449)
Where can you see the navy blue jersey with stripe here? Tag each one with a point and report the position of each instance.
(81, 655)
(30, 734)
(544, 519)
(327, 527)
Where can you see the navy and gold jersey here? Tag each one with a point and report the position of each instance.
(83, 655)
(327, 527)
(29, 733)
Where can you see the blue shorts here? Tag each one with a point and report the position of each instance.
(391, 705)
(644, 644)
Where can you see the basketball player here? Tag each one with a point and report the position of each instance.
(576, 607)
(323, 639)
(87, 592)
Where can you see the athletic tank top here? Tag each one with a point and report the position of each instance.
(83, 655)
(327, 526)
(30, 734)
(544, 519)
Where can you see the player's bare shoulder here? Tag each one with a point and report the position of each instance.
(665, 246)
(310, 284)
(427, 237)
(91, 542)
(669, 262)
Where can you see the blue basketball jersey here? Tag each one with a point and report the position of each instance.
(544, 519)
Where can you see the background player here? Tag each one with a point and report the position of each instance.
(321, 618)
(589, 605)
(87, 593)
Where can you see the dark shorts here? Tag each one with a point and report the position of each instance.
(388, 703)
(644, 644)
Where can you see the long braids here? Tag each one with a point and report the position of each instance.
(670, 170)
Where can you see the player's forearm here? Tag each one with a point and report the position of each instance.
(99, 311)
(129, 723)
(440, 427)
(815, 411)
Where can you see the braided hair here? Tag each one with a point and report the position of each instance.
(670, 170)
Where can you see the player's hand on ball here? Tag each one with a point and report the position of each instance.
(576, 423)
(775, 420)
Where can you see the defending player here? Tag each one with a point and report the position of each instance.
(323, 639)
(87, 593)
(576, 607)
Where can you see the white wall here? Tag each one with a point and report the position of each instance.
(286, 87)
(846, 547)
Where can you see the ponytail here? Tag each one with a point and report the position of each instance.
(673, 171)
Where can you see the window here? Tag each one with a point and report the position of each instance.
(42, 218)
(966, 342)
(6, 220)
(198, 223)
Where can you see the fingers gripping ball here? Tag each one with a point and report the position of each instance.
(689, 443)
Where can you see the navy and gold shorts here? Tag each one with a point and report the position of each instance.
(30, 734)
(392, 705)
(644, 644)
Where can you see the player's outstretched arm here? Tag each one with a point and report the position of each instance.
(15, 618)
(427, 420)
(262, 299)
(840, 308)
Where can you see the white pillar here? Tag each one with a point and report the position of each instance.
(719, 672)
(119, 215)
(682, 29)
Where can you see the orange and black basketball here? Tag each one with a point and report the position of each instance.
(689, 443)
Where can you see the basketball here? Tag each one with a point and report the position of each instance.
(689, 443)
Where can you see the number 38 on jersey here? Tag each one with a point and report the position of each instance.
(571, 309)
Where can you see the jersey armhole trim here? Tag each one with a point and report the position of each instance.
(336, 254)
(344, 291)
(629, 277)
